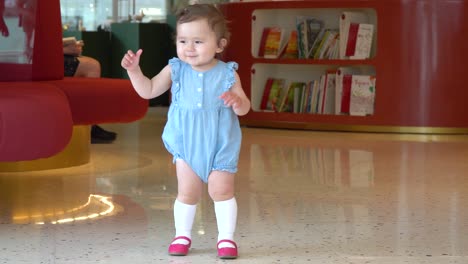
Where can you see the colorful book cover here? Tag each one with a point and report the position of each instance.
(275, 94)
(287, 100)
(362, 95)
(299, 93)
(346, 18)
(308, 29)
(266, 93)
(290, 51)
(273, 43)
(341, 71)
(364, 39)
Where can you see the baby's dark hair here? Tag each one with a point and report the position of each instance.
(215, 18)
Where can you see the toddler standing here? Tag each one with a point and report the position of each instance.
(202, 132)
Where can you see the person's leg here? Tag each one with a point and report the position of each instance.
(221, 190)
(101, 136)
(190, 188)
(91, 68)
(88, 67)
(70, 65)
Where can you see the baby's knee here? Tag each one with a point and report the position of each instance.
(188, 198)
(221, 193)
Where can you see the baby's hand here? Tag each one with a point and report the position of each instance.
(231, 99)
(131, 60)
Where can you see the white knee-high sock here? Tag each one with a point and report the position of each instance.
(226, 217)
(184, 214)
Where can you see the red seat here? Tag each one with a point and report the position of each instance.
(102, 100)
(38, 106)
(35, 120)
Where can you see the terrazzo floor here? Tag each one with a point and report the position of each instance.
(303, 197)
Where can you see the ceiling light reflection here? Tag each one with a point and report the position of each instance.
(102, 199)
(106, 207)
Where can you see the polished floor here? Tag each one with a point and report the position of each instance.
(303, 196)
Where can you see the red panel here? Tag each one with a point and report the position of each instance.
(48, 51)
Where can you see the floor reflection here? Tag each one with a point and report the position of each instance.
(28, 199)
(303, 197)
(322, 166)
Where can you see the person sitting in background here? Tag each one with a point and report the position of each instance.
(77, 65)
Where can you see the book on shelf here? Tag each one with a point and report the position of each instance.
(275, 94)
(328, 41)
(363, 42)
(362, 95)
(290, 50)
(287, 99)
(308, 29)
(341, 91)
(346, 93)
(261, 46)
(346, 18)
(320, 93)
(299, 94)
(315, 87)
(291, 101)
(315, 45)
(328, 100)
(309, 95)
(351, 41)
(306, 93)
(331, 51)
(266, 94)
(271, 42)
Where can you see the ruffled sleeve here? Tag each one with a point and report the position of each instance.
(231, 78)
(175, 76)
(175, 69)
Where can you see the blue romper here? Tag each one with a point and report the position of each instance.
(200, 129)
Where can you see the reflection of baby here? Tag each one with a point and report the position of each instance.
(3, 27)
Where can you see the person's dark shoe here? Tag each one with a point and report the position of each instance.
(101, 136)
(99, 129)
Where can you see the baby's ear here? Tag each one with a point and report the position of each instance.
(221, 45)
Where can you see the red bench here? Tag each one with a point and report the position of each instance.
(39, 108)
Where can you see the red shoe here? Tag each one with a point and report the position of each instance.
(179, 249)
(227, 252)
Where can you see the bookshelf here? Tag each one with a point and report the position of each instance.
(418, 88)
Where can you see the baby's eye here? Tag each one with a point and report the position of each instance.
(198, 42)
(182, 41)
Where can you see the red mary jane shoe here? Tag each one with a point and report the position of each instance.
(179, 249)
(227, 252)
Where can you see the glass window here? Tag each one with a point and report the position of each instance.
(89, 14)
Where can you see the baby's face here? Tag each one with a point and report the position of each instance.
(197, 44)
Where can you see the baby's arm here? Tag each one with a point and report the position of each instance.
(236, 98)
(145, 87)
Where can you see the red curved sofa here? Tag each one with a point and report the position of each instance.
(39, 107)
